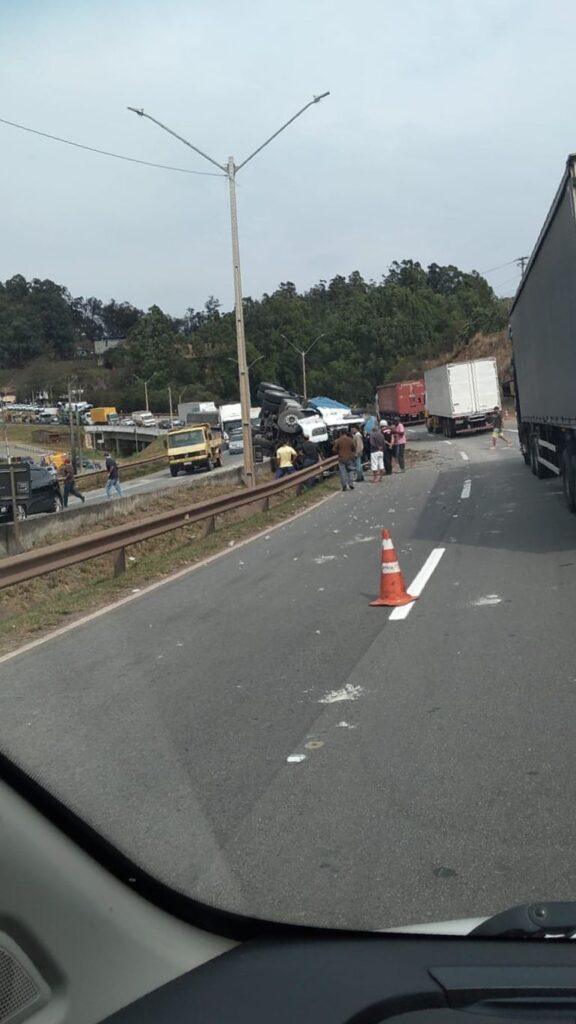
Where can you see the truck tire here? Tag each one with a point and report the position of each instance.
(210, 465)
(569, 479)
(173, 470)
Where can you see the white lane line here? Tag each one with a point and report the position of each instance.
(418, 583)
(464, 456)
(466, 489)
(447, 442)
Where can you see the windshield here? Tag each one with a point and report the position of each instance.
(186, 439)
(326, 677)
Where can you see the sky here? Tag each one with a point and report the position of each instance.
(443, 140)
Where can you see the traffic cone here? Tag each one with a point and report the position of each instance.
(392, 585)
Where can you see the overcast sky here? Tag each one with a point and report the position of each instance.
(443, 139)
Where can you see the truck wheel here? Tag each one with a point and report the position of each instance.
(569, 479)
(210, 465)
(173, 470)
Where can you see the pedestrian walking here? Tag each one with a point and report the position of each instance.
(358, 440)
(113, 481)
(70, 484)
(344, 449)
(399, 443)
(498, 427)
(388, 446)
(285, 456)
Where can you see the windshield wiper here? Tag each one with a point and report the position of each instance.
(531, 921)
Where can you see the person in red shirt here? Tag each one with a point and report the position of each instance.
(399, 443)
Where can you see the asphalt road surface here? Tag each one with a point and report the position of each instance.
(261, 738)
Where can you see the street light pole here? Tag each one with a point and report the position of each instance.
(303, 353)
(230, 170)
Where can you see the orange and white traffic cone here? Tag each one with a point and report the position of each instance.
(392, 586)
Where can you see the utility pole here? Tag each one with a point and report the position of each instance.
(240, 336)
(71, 425)
(521, 262)
(230, 170)
(170, 401)
(13, 496)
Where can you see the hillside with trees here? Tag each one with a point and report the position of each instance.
(363, 333)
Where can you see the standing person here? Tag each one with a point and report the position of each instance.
(376, 453)
(113, 482)
(70, 484)
(344, 449)
(309, 453)
(498, 427)
(400, 443)
(285, 456)
(358, 441)
(388, 446)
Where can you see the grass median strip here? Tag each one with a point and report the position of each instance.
(31, 609)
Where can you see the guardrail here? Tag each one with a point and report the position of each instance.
(39, 562)
(124, 466)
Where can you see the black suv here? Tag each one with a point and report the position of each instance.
(45, 496)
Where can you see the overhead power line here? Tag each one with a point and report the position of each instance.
(500, 267)
(105, 152)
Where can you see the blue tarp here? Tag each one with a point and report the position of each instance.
(328, 403)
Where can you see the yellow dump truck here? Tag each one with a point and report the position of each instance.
(193, 447)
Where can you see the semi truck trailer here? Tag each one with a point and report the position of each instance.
(543, 332)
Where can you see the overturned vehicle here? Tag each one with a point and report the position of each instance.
(286, 417)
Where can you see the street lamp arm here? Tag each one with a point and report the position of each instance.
(142, 113)
(300, 351)
(311, 346)
(284, 126)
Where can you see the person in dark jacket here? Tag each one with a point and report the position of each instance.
(70, 484)
(113, 481)
(344, 449)
(308, 456)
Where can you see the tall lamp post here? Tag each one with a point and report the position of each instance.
(303, 352)
(230, 170)
(145, 383)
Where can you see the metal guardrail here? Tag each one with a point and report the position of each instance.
(124, 466)
(31, 564)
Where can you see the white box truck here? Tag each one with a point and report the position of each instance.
(461, 396)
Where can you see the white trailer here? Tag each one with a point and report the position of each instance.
(461, 396)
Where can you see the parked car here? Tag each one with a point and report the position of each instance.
(236, 442)
(89, 465)
(45, 496)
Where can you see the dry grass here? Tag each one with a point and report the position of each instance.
(479, 347)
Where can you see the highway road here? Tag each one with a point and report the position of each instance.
(157, 481)
(258, 736)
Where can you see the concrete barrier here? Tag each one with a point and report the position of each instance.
(52, 527)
